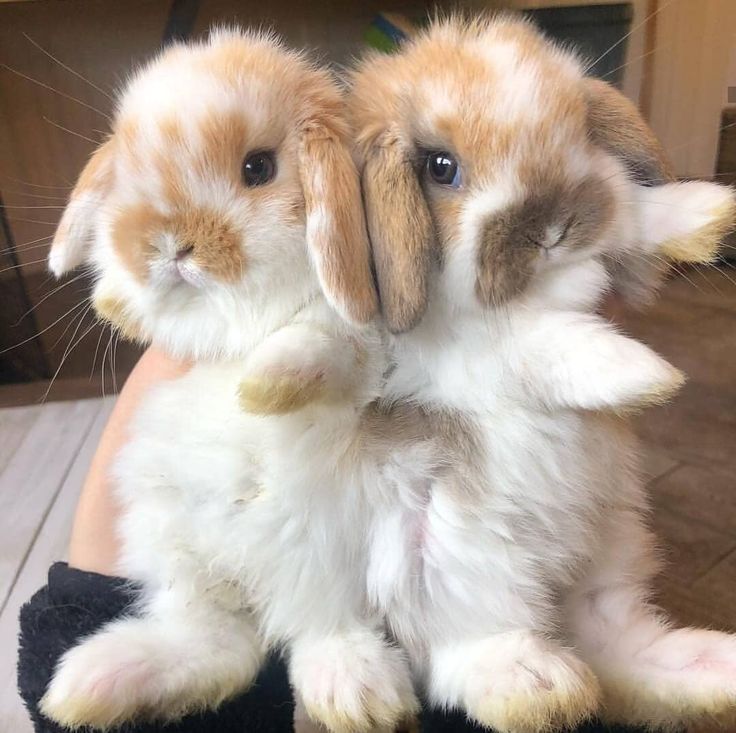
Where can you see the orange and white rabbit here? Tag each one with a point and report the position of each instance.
(223, 222)
(502, 200)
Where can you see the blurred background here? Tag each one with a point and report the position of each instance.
(675, 58)
(60, 64)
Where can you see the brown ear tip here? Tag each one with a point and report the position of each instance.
(365, 310)
(402, 320)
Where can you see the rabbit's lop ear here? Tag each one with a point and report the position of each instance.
(616, 125)
(686, 222)
(401, 230)
(76, 228)
(336, 234)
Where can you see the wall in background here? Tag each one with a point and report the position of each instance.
(731, 79)
(695, 41)
(692, 61)
(45, 137)
(679, 73)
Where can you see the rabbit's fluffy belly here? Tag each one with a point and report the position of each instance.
(510, 514)
(217, 504)
(469, 553)
(185, 478)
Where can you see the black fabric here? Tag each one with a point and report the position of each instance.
(76, 603)
(436, 721)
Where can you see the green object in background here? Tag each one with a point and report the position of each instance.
(388, 31)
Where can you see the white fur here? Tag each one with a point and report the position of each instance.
(675, 210)
(518, 578)
(248, 532)
(537, 514)
(242, 530)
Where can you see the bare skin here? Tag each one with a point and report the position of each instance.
(94, 545)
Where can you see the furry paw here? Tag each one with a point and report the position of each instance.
(280, 392)
(683, 676)
(286, 372)
(354, 682)
(520, 683)
(125, 672)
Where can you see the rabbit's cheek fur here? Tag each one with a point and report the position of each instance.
(113, 310)
(132, 238)
(541, 230)
(187, 244)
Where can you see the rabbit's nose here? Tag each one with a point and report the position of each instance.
(184, 252)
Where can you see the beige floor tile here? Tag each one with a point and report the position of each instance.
(49, 545)
(655, 462)
(690, 548)
(718, 589)
(703, 496)
(709, 286)
(698, 427)
(31, 479)
(709, 601)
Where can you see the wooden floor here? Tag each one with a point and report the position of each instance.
(44, 455)
(690, 463)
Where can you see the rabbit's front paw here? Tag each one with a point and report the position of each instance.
(353, 682)
(520, 683)
(288, 371)
(279, 391)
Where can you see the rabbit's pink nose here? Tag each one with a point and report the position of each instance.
(184, 252)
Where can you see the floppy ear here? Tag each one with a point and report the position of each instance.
(615, 124)
(686, 221)
(401, 231)
(336, 235)
(76, 227)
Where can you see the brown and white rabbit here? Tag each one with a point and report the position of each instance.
(501, 194)
(223, 222)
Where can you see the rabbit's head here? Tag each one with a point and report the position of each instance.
(492, 167)
(224, 200)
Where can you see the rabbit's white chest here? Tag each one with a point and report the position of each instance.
(255, 512)
(186, 477)
(515, 513)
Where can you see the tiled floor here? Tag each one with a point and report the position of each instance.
(691, 445)
(689, 449)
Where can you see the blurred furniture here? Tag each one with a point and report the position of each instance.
(726, 166)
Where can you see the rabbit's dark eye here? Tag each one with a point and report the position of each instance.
(258, 168)
(443, 169)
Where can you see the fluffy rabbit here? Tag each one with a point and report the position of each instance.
(223, 222)
(502, 203)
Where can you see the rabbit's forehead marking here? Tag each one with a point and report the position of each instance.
(132, 236)
(499, 101)
(192, 173)
(193, 161)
